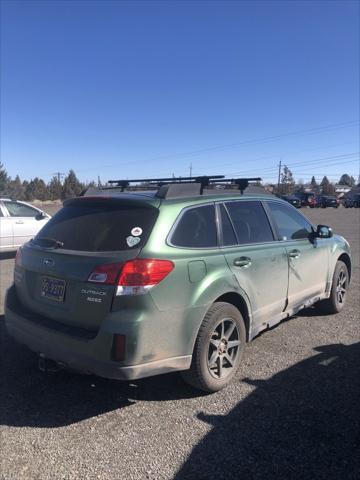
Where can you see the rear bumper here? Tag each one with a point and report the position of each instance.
(82, 354)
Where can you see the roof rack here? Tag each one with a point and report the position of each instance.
(175, 187)
(240, 183)
(202, 180)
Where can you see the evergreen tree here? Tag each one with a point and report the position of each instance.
(345, 179)
(40, 190)
(4, 181)
(25, 184)
(55, 189)
(29, 191)
(72, 187)
(36, 190)
(327, 188)
(16, 189)
(313, 183)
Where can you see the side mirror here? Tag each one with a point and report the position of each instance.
(40, 216)
(323, 231)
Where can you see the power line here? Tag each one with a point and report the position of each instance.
(254, 141)
(268, 157)
(314, 162)
(309, 163)
(59, 175)
(322, 159)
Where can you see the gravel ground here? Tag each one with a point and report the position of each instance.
(292, 412)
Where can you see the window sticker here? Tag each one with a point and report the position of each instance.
(136, 231)
(132, 241)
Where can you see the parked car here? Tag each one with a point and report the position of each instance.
(19, 222)
(295, 201)
(129, 285)
(308, 199)
(353, 201)
(324, 201)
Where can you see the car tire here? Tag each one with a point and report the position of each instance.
(338, 294)
(214, 363)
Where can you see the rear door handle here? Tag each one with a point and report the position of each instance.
(294, 254)
(242, 262)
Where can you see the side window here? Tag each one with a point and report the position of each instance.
(228, 234)
(290, 223)
(196, 228)
(250, 222)
(19, 210)
(1, 213)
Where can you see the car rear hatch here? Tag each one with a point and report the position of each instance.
(53, 278)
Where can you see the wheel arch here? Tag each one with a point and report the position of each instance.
(238, 302)
(344, 257)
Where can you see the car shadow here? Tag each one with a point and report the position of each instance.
(303, 422)
(31, 398)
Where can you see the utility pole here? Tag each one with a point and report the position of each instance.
(59, 175)
(279, 176)
(190, 169)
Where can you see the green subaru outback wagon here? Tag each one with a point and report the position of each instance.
(129, 284)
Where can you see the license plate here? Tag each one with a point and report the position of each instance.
(53, 288)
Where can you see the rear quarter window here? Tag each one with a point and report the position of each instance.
(100, 228)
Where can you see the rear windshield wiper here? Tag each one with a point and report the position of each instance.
(48, 242)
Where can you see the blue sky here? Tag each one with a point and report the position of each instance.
(126, 89)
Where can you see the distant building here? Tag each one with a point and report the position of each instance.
(341, 190)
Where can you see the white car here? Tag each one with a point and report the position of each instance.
(19, 222)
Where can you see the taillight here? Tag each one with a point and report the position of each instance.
(18, 258)
(144, 272)
(133, 277)
(106, 274)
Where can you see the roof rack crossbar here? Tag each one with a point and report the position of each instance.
(204, 181)
(241, 183)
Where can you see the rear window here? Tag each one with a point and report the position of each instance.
(100, 228)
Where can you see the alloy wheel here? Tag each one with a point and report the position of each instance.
(341, 287)
(223, 349)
